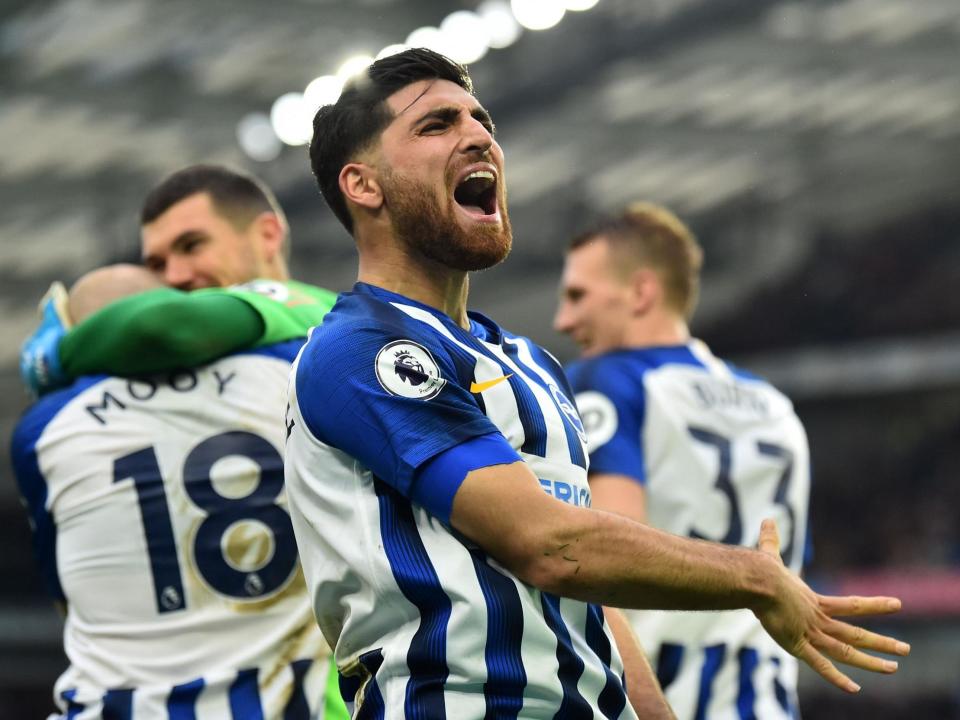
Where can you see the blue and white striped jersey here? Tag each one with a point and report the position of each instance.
(160, 520)
(391, 404)
(717, 450)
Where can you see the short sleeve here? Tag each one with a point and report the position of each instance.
(386, 396)
(612, 407)
(437, 481)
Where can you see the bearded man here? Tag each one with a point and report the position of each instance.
(437, 469)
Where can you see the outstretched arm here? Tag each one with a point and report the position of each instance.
(605, 558)
(158, 330)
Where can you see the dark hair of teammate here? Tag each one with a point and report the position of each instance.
(361, 114)
(236, 196)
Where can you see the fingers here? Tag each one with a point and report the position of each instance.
(853, 605)
(826, 669)
(840, 641)
(769, 538)
(866, 640)
(849, 655)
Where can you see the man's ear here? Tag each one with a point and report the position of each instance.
(360, 184)
(645, 290)
(272, 232)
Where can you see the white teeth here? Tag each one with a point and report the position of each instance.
(485, 174)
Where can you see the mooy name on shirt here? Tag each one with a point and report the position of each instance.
(144, 389)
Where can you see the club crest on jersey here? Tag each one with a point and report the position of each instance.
(407, 369)
(569, 410)
(600, 418)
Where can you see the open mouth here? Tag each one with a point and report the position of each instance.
(477, 193)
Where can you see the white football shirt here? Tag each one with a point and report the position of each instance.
(161, 521)
(717, 451)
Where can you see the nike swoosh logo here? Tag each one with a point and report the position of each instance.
(487, 384)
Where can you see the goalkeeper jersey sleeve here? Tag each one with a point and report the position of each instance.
(165, 328)
(287, 309)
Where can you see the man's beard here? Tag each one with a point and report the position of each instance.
(425, 225)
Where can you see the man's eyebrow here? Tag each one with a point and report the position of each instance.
(481, 114)
(446, 114)
(449, 115)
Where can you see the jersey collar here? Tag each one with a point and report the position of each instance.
(481, 327)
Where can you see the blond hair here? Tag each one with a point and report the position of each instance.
(649, 235)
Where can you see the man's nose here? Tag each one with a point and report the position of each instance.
(178, 273)
(477, 138)
(562, 320)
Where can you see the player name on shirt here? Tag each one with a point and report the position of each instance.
(716, 450)
(160, 519)
(145, 389)
(720, 394)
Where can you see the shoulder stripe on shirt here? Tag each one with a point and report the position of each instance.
(512, 348)
(531, 417)
(506, 677)
(419, 583)
(466, 363)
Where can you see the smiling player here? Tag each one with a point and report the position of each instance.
(158, 514)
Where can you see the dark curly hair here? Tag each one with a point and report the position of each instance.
(361, 114)
(237, 196)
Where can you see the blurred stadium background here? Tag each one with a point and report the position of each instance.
(814, 147)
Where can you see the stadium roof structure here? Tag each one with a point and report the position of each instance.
(766, 124)
(763, 123)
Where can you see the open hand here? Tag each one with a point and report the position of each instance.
(803, 622)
